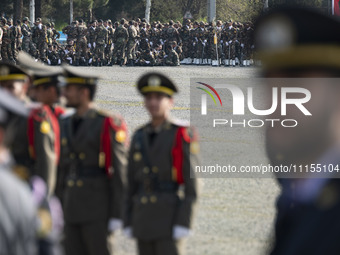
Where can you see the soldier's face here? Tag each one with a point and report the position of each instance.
(16, 88)
(45, 95)
(314, 134)
(158, 104)
(72, 94)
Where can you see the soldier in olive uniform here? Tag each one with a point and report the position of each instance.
(92, 168)
(162, 157)
(91, 36)
(81, 41)
(109, 46)
(172, 34)
(55, 34)
(101, 42)
(71, 32)
(229, 37)
(6, 40)
(186, 42)
(17, 40)
(12, 35)
(131, 44)
(172, 59)
(27, 44)
(121, 37)
(41, 37)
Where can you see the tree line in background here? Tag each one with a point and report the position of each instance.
(58, 10)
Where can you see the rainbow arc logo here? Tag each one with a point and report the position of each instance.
(204, 97)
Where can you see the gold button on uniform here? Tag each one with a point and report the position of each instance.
(144, 200)
(64, 141)
(82, 156)
(70, 183)
(153, 199)
(146, 170)
(155, 169)
(80, 183)
(137, 156)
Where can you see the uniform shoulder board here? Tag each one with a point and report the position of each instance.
(192, 133)
(180, 123)
(68, 113)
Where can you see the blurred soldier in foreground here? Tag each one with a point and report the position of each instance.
(17, 215)
(161, 189)
(43, 123)
(92, 168)
(293, 43)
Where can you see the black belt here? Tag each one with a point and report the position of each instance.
(164, 186)
(90, 172)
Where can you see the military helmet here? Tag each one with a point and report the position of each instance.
(25, 19)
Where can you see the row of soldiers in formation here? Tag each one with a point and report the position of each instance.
(130, 43)
(81, 158)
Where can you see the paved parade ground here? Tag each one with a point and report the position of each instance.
(234, 216)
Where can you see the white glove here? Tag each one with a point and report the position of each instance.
(221, 42)
(179, 232)
(148, 62)
(230, 41)
(105, 45)
(205, 41)
(94, 45)
(193, 44)
(203, 44)
(151, 43)
(252, 46)
(146, 40)
(226, 43)
(128, 232)
(89, 45)
(242, 45)
(114, 224)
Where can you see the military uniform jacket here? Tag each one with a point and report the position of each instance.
(26, 31)
(132, 33)
(101, 35)
(91, 179)
(44, 143)
(121, 34)
(156, 173)
(81, 33)
(310, 227)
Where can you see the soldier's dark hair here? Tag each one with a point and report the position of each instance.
(80, 21)
(18, 22)
(131, 22)
(92, 90)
